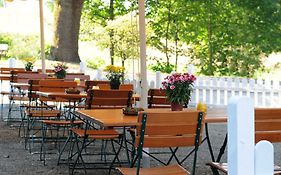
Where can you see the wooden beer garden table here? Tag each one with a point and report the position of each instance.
(116, 118)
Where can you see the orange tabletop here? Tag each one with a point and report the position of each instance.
(62, 95)
(115, 117)
(108, 117)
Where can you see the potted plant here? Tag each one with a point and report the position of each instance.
(60, 70)
(115, 75)
(178, 88)
(28, 63)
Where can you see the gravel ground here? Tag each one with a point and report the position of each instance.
(15, 160)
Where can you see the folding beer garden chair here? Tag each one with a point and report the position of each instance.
(99, 99)
(166, 129)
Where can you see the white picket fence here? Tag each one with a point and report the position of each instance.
(218, 90)
(210, 90)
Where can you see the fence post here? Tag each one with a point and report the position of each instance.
(12, 62)
(99, 74)
(82, 67)
(264, 164)
(190, 68)
(240, 112)
(158, 79)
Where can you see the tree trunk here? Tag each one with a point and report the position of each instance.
(167, 33)
(177, 51)
(66, 32)
(210, 33)
(111, 34)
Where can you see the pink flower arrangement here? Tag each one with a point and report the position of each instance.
(60, 70)
(178, 87)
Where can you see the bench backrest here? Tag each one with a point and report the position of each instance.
(97, 98)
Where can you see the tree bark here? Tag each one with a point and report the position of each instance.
(210, 42)
(167, 33)
(66, 32)
(111, 34)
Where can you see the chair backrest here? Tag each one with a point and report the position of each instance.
(90, 83)
(158, 128)
(268, 124)
(126, 87)
(24, 77)
(7, 70)
(55, 85)
(47, 70)
(104, 86)
(32, 89)
(157, 99)
(14, 74)
(73, 76)
(74, 73)
(97, 98)
(165, 128)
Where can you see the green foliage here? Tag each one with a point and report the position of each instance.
(125, 38)
(50, 4)
(225, 37)
(47, 51)
(21, 46)
(96, 14)
(6, 39)
(28, 66)
(163, 67)
(95, 63)
(167, 22)
(1, 3)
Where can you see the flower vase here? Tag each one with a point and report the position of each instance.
(176, 106)
(114, 84)
(61, 74)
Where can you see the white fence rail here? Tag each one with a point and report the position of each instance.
(218, 90)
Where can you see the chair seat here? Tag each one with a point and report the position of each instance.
(223, 167)
(43, 113)
(62, 122)
(163, 170)
(97, 134)
(37, 106)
